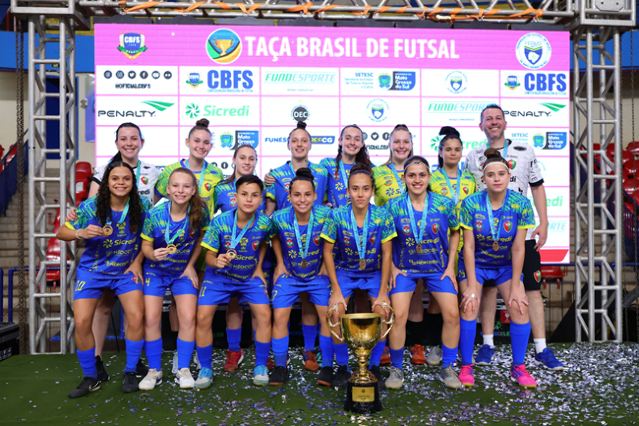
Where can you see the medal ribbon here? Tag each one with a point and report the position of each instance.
(342, 172)
(138, 169)
(167, 229)
(124, 213)
(361, 244)
(419, 237)
(399, 181)
(235, 240)
(505, 148)
(454, 194)
(495, 232)
(309, 234)
(202, 174)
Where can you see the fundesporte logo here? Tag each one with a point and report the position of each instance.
(223, 46)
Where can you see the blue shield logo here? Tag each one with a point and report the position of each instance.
(132, 41)
(538, 141)
(456, 84)
(533, 53)
(194, 78)
(377, 111)
(227, 140)
(384, 81)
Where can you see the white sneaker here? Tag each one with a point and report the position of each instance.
(174, 370)
(185, 379)
(151, 380)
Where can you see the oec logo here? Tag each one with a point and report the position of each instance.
(456, 82)
(223, 46)
(377, 110)
(533, 51)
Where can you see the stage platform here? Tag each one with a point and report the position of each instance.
(600, 387)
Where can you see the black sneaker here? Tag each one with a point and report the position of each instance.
(278, 376)
(88, 384)
(325, 376)
(378, 375)
(141, 370)
(103, 376)
(341, 377)
(129, 383)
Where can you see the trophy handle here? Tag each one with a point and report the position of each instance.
(331, 325)
(390, 322)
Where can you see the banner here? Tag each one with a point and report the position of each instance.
(255, 83)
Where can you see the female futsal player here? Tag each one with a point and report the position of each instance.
(111, 223)
(361, 234)
(423, 251)
(278, 183)
(236, 243)
(172, 235)
(495, 223)
(298, 249)
(351, 151)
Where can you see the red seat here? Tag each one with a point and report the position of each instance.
(84, 167)
(633, 148)
(630, 186)
(625, 156)
(551, 272)
(82, 185)
(53, 251)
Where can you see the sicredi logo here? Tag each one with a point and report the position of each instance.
(300, 77)
(194, 110)
(533, 51)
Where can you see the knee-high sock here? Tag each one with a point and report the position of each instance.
(310, 335)
(87, 362)
(376, 353)
(205, 355)
(449, 355)
(133, 352)
(185, 352)
(233, 336)
(467, 331)
(519, 335)
(326, 346)
(153, 350)
(397, 357)
(262, 350)
(280, 350)
(341, 354)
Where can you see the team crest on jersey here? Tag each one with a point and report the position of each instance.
(406, 229)
(388, 182)
(347, 241)
(207, 186)
(134, 229)
(435, 228)
(233, 201)
(465, 190)
(192, 233)
(508, 225)
(481, 167)
(537, 275)
(144, 180)
(255, 244)
(289, 242)
(512, 164)
(227, 244)
(287, 186)
(336, 174)
(479, 225)
(372, 240)
(316, 240)
(444, 191)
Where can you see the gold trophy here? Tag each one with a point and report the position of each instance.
(361, 333)
(223, 44)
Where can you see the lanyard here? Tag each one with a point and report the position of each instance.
(309, 234)
(495, 229)
(138, 168)
(361, 243)
(342, 172)
(419, 235)
(454, 194)
(167, 229)
(505, 148)
(202, 173)
(124, 213)
(236, 239)
(397, 179)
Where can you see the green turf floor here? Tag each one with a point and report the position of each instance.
(600, 387)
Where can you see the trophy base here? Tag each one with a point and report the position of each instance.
(363, 398)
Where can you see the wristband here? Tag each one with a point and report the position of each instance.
(77, 237)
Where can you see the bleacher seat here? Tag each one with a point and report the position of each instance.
(551, 272)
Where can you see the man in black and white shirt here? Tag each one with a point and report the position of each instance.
(524, 173)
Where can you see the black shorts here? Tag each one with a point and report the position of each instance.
(531, 269)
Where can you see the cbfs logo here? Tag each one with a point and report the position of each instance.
(533, 51)
(511, 82)
(132, 45)
(223, 46)
(456, 82)
(377, 110)
(194, 80)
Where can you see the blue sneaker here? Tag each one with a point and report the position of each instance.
(204, 379)
(484, 355)
(261, 375)
(547, 358)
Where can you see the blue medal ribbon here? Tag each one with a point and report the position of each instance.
(391, 166)
(309, 234)
(505, 148)
(108, 229)
(454, 194)
(361, 242)
(169, 240)
(235, 239)
(495, 229)
(342, 172)
(202, 173)
(419, 235)
(138, 169)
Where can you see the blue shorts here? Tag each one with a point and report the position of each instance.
(287, 289)
(217, 289)
(432, 282)
(156, 284)
(87, 286)
(350, 281)
(499, 274)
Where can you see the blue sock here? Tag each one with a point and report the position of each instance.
(397, 357)
(519, 335)
(205, 355)
(185, 352)
(280, 350)
(467, 331)
(254, 335)
(261, 353)
(153, 350)
(310, 335)
(233, 336)
(328, 351)
(87, 362)
(449, 356)
(133, 352)
(376, 353)
(341, 354)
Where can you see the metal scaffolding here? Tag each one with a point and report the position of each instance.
(593, 23)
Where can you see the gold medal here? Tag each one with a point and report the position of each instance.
(107, 230)
(172, 248)
(232, 254)
(495, 246)
(419, 248)
(304, 263)
(362, 264)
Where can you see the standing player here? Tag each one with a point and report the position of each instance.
(111, 223)
(495, 223)
(361, 233)
(236, 243)
(423, 251)
(298, 249)
(351, 151)
(278, 182)
(525, 172)
(172, 235)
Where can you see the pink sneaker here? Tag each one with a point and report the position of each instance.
(467, 376)
(519, 374)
